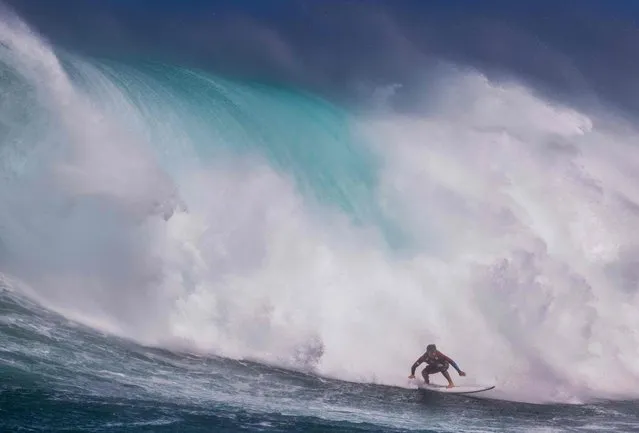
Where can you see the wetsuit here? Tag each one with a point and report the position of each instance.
(437, 363)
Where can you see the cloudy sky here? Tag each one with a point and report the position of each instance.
(581, 50)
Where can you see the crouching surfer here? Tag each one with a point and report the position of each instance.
(437, 363)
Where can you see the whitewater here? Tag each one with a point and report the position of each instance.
(168, 228)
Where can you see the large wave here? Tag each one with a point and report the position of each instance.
(184, 210)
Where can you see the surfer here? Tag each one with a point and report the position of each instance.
(437, 363)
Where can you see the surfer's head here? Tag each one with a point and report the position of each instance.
(431, 348)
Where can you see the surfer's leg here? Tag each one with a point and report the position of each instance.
(430, 369)
(425, 374)
(448, 378)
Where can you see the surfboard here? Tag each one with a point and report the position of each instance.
(458, 389)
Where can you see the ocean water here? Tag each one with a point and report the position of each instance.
(186, 251)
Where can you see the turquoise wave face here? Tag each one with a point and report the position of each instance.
(195, 116)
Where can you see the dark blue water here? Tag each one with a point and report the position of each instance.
(60, 376)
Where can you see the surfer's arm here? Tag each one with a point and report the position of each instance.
(451, 362)
(416, 364)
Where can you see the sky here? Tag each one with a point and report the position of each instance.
(585, 51)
